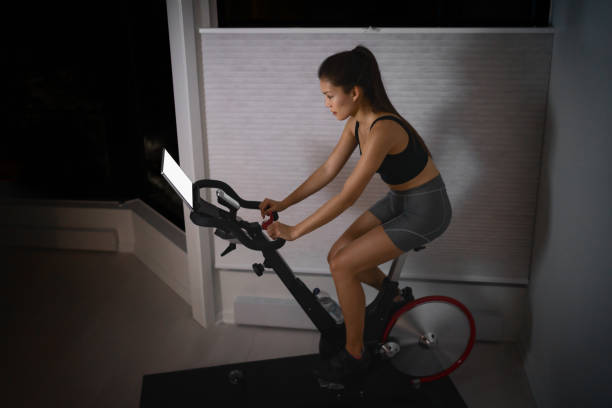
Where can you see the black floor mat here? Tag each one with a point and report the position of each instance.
(288, 382)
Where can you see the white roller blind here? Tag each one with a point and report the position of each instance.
(477, 98)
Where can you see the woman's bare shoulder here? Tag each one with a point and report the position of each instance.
(388, 125)
(391, 133)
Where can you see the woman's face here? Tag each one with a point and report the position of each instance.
(341, 104)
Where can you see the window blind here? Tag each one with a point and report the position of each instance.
(478, 100)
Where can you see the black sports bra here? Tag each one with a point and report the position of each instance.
(401, 167)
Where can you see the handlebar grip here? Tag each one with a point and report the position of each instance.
(209, 215)
(207, 183)
(274, 217)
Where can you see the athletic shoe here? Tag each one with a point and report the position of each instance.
(406, 294)
(342, 368)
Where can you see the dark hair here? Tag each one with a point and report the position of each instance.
(358, 67)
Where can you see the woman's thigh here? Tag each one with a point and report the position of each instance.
(424, 218)
(364, 223)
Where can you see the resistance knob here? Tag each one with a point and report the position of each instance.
(258, 269)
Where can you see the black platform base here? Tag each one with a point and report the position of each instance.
(289, 382)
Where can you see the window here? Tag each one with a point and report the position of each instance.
(383, 13)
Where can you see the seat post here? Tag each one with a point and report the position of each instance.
(396, 267)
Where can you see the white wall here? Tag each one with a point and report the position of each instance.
(568, 332)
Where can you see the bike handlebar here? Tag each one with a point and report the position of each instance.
(208, 215)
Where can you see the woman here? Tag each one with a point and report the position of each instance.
(414, 212)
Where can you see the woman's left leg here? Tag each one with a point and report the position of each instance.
(366, 252)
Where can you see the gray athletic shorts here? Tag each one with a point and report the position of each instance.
(415, 217)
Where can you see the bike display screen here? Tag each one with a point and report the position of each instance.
(177, 178)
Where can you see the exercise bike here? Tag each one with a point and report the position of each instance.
(424, 340)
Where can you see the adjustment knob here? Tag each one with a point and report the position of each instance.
(258, 269)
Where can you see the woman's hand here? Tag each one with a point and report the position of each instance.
(268, 206)
(277, 229)
(280, 230)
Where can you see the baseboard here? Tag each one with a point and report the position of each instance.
(100, 226)
(82, 239)
(91, 226)
(287, 313)
(271, 312)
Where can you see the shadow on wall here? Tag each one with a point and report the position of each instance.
(541, 237)
(467, 161)
(568, 15)
(456, 147)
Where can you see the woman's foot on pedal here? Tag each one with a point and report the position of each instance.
(404, 296)
(342, 368)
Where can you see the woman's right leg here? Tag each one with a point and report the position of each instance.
(365, 222)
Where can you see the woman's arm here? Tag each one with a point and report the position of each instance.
(330, 210)
(329, 170)
(367, 165)
(317, 180)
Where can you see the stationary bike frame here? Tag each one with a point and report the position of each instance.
(378, 321)
(232, 227)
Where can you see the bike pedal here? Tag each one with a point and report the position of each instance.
(330, 385)
(351, 386)
(355, 397)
